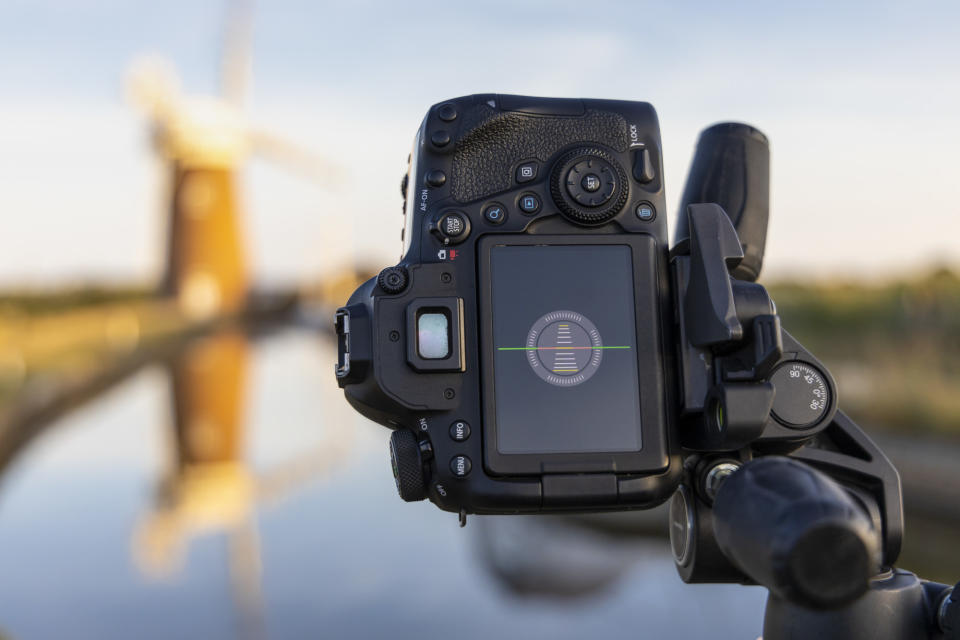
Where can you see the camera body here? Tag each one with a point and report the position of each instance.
(539, 347)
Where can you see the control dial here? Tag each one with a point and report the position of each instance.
(803, 395)
(407, 466)
(589, 186)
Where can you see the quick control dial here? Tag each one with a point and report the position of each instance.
(589, 186)
(802, 397)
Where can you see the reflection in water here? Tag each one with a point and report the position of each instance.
(552, 556)
(187, 503)
(208, 488)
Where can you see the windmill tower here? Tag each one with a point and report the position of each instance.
(203, 142)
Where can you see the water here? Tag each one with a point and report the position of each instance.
(307, 538)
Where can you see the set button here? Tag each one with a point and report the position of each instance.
(495, 214)
(591, 182)
(459, 431)
(529, 203)
(460, 466)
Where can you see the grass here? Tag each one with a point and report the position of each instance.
(893, 348)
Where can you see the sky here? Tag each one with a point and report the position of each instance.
(861, 103)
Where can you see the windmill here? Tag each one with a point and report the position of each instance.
(203, 142)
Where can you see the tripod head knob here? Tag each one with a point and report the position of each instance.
(949, 614)
(731, 167)
(797, 532)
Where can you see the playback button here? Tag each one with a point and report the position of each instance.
(529, 203)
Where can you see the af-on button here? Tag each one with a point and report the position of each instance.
(435, 178)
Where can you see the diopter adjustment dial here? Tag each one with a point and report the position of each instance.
(589, 185)
(393, 280)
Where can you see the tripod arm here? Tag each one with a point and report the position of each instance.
(815, 539)
(794, 530)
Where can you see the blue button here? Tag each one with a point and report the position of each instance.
(645, 211)
(495, 214)
(529, 203)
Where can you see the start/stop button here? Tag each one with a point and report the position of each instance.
(451, 227)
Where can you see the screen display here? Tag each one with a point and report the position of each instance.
(564, 349)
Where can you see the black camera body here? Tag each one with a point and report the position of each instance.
(539, 347)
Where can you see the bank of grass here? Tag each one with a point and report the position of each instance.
(894, 348)
(51, 338)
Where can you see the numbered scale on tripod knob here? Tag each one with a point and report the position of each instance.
(802, 395)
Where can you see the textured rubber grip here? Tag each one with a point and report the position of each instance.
(493, 140)
(797, 532)
(731, 167)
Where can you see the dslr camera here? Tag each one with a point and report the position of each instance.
(539, 346)
(542, 347)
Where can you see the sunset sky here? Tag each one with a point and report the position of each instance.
(861, 103)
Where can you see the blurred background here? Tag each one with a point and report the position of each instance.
(187, 190)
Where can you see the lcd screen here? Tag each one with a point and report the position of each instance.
(564, 349)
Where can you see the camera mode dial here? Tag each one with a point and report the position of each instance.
(589, 186)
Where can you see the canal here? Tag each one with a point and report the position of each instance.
(289, 526)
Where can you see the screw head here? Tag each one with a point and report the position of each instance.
(716, 475)
(449, 394)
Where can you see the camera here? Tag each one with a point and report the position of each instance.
(540, 346)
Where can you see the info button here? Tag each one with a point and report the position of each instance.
(460, 431)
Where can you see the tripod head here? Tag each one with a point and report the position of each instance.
(731, 168)
(806, 505)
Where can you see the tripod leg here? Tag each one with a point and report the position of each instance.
(897, 606)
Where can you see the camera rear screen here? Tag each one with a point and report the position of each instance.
(564, 352)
